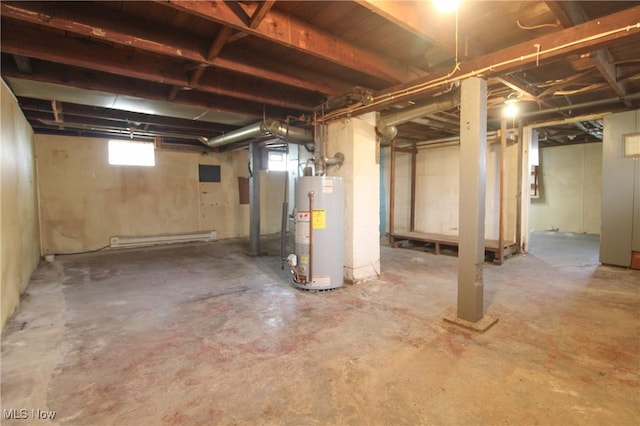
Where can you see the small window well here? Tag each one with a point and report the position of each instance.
(125, 153)
(277, 161)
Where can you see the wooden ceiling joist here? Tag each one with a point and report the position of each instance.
(103, 27)
(416, 18)
(78, 112)
(150, 68)
(214, 50)
(570, 13)
(592, 35)
(288, 31)
(112, 83)
(261, 11)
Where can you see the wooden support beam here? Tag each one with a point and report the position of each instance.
(423, 20)
(570, 13)
(23, 64)
(214, 51)
(110, 116)
(392, 190)
(283, 29)
(405, 150)
(518, 88)
(219, 42)
(412, 216)
(592, 35)
(112, 83)
(145, 67)
(417, 18)
(603, 61)
(522, 197)
(503, 171)
(173, 93)
(106, 26)
(261, 11)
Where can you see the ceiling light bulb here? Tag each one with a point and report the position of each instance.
(446, 6)
(510, 109)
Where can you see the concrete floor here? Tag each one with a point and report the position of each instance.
(203, 334)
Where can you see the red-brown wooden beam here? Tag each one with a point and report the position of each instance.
(36, 106)
(417, 17)
(286, 30)
(519, 56)
(104, 26)
(22, 41)
(261, 11)
(214, 51)
(116, 84)
(570, 14)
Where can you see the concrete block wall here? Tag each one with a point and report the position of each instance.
(84, 201)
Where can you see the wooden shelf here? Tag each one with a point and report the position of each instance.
(449, 241)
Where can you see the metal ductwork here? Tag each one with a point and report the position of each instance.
(263, 128)
(387, 123)
(357, 96)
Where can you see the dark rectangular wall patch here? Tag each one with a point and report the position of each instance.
(209, 173)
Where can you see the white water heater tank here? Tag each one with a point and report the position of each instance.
(319, 232)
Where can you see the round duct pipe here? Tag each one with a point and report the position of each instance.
(263, 128)
(386, 124)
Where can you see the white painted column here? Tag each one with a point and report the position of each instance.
(473, 158)
(356, 139)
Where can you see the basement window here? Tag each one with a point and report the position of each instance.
(277, 161)
(125, 153)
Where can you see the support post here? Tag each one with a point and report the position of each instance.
(392, 190)
(523, 184)
(473, 158)
(356, 138)
(414, 155)
(503, 166)
(254, 199)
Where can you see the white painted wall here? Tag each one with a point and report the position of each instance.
(438, 189)
(402, 218)
(19, 235)
(84, 201)
(570, 189)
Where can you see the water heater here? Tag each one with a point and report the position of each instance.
(317, 263)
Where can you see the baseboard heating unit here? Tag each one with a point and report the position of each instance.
(147, 240)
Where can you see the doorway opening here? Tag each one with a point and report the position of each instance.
(565, 191)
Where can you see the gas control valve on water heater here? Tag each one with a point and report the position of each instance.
(319, 228)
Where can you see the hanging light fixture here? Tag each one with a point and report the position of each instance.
(446, 6)
(511, 108)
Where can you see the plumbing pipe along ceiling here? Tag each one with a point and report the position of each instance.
(187, 72)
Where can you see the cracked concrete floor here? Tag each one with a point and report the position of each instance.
(203, 334)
